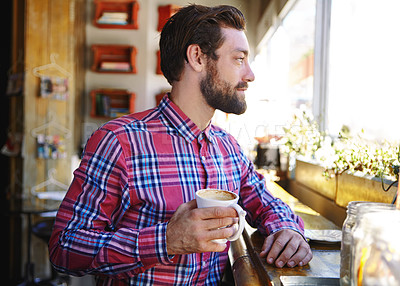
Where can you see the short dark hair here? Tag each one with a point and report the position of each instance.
(195, 24)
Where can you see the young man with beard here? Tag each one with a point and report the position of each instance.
(130, 216)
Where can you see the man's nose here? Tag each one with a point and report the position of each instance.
(249, 75)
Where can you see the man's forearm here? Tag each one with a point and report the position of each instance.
(123, 253)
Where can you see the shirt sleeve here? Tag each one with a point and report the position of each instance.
(86, 238)
(265, 212)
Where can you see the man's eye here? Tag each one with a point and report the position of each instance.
(240, 60)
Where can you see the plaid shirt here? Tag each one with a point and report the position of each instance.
(136, 170)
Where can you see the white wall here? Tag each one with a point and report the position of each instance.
(145, 83)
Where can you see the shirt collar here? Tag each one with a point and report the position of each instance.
(209, 133)
(182, 123)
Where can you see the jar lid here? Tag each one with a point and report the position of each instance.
(368, 207)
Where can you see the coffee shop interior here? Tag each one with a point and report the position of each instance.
(322, 123)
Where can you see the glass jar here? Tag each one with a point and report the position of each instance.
(377, 260)
(345, 251)
(355, 211)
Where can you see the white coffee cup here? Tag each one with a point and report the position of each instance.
(206, 198)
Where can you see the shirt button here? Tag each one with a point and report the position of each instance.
(204, 264)
(203, 158)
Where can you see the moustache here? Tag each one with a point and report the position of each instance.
(242, 84)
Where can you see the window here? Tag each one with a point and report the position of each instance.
(364, 68)
(284, 69)
(338, 60)
(354, 81)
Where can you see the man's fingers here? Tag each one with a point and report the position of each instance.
(222, 233)
(302, 257)
(306, 259)
(276, 248)
(286, 248)
(279, 241)
(267, 246)
(288, 253)
(220, 222)
(216, 212)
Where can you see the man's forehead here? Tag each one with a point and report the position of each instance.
(235, 41)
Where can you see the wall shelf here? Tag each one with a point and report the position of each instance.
(116, 14)
(164, 13)
(158, 68)
(114, 59)
(112, 103)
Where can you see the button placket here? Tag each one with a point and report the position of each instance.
(203, 154)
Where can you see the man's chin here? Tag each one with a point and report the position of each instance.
(235, 109)
(241, 94)
(241, 105)
(241, 111)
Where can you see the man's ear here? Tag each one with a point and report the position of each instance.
(196, 59)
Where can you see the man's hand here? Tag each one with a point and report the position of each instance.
(286, 247)
(191, 230)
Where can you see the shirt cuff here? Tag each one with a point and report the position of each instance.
(153, 246)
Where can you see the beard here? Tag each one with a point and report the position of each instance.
(220, 94)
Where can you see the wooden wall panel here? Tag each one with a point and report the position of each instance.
(51, 28)
(35, 28)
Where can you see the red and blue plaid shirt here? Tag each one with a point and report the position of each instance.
(135, 172)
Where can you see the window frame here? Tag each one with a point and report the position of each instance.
(269, 23)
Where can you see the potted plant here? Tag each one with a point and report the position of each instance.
(365, 170)
(345, 169)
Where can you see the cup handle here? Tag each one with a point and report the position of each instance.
(242, 221)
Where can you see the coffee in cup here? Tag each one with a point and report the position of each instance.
(219, 195)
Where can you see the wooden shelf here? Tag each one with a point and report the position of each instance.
(114, 59)
(164, 13)
(158, 68)
(116, 14)
(112, 103)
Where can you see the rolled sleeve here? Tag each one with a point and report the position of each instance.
(153, 246)
(265, 212)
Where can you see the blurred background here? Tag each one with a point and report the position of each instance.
(326, 92)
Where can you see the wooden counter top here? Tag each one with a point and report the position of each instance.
(249, 269)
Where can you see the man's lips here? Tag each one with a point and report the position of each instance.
(242, 86)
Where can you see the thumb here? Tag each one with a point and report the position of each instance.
(267, 245)
(187, 206)
(191, 204)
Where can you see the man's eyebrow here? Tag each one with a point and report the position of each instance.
(239, 50)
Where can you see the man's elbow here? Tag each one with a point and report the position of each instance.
(63, 259)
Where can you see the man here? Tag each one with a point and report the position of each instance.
(130, 216)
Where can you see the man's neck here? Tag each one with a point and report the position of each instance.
(192, 103)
